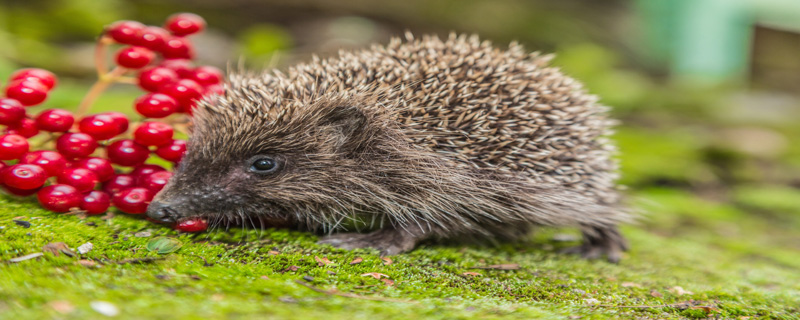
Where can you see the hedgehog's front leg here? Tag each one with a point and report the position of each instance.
(388, 241)
(599, 241)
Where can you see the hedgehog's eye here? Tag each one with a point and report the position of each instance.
(262, 164)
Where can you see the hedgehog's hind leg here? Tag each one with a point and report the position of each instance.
(599, 241)
(388, 241)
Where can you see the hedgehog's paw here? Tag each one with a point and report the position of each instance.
(600, 241)
(387, 241)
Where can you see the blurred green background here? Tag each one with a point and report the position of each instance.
(709, 88)
(708, 93)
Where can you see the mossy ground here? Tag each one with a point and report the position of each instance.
(705, 247)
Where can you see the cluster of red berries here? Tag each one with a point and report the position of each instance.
(70, 172)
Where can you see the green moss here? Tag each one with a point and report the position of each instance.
(220, 274)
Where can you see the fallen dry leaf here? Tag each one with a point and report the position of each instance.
(631, 284)
(143, 234)
(656, 294)
(292, 268)
(217, 297)
(375, 275)
(87, 263)
(273, 253)
(265, 277)
(388, 282)
(591, 301)
(57, 248)
(706, 309)
(322, 261)
(26, 257)
(386, 261)
(357, 260)
(61, 306)
(81, 214)
(472, 274)
(679, 291)
(508, 266)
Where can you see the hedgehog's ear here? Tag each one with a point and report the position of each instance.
(346, 126)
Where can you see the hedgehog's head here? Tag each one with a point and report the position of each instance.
(256, 154)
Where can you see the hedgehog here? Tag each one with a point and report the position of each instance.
(421, 139)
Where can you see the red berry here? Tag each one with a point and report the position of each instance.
(145, 170)
(95, 202)
(52, 162)
(120, 119)
(153, 79)
(134, 57)
(155, 181)
(206, 75)
(101, 167)
(82, 179)
(133, 200)
(156, 105)
(11, 111)
(118, 183)
(76, 145)
(26, 128)
(59, 197)
(55, 120)
(185, 91)
(29, 92)
(183, 24)
(192, 225)
(183, 67)
(13, 146)
(127, 153)
(152, 133)
(177, 48)
(99, 126)
(47, 78)
(173, 151)
(152, 38)
(125, 32)
(20, 192)
(24, 176)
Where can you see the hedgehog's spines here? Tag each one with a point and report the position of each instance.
(481, 136)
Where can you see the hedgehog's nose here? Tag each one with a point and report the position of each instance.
(161, 212)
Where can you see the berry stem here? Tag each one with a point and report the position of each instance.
(100, 55)
(127, 80)
(102, 83)
(49, 137)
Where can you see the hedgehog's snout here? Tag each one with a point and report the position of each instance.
(162, 212)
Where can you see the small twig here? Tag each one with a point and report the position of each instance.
(348, 295)
(130, 261)
(675, 305)
(507, 266)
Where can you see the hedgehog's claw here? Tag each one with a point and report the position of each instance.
(387, 241)
(600, 241)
